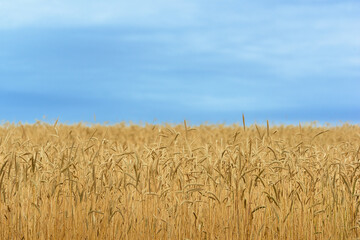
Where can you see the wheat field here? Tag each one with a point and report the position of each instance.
(179, 182)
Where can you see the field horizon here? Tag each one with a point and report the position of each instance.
(191, 123)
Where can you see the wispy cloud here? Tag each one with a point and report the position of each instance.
(201, 56)
(43, 13)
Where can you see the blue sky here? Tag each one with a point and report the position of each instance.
(166, 61)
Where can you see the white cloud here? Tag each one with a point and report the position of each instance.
(52, 13)
(298, 41)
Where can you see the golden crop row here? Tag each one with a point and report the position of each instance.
(179, 182)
